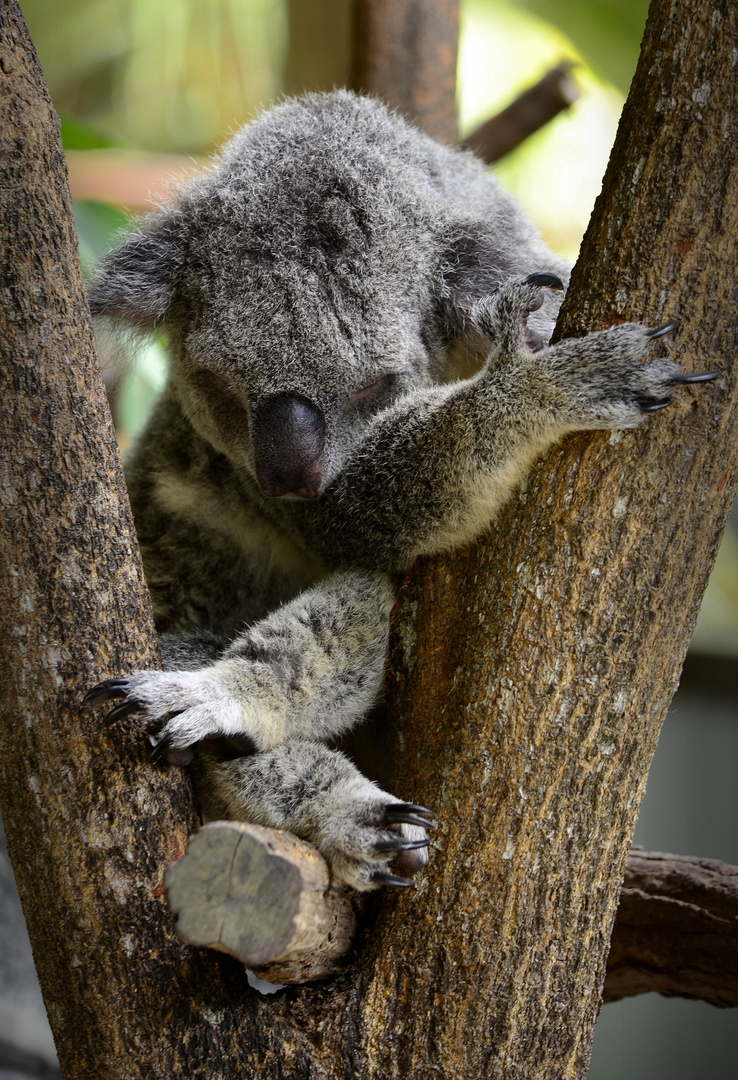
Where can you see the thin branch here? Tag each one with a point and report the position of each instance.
(529, 112)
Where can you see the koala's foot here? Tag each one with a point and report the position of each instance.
(367, 836)
(178, 710)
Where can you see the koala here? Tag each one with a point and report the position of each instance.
(357, 321)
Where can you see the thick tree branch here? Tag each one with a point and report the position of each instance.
(676, 930)
(534, 671)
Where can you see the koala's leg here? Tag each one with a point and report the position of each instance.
(321, 796)
(311, 669)
(435, 467)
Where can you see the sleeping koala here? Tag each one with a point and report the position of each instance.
(357, 320)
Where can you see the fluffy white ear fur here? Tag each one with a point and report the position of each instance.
(135, 282)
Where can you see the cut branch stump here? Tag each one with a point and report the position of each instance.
(264, 897)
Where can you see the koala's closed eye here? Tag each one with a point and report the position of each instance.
(375, 392)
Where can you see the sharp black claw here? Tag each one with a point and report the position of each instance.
(545, 281)
(400, 845)
(413, 808)
(126, 708)
(104, 691)
(697, 377)
(161, 747)
(665, 329)
(409, 814)
(654, 406)
(383, 878)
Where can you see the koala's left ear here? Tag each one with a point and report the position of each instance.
(135, 282)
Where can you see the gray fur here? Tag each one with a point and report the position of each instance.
(321, 289)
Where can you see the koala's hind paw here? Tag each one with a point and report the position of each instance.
(178, 710)
(367, 837)
(371, 842)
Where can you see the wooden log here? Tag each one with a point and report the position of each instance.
(264, 897)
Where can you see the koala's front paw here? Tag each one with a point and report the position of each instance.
(366, 842)
(178, 709)
(607, 381)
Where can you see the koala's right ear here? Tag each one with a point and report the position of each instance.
(135, 282)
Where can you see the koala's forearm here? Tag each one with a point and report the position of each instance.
(431, 475)
(435, 470)
(314, 667)
(311, 669)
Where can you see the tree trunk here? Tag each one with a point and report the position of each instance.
(531, 672)
(405, 52)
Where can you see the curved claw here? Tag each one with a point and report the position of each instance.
(545, 281)
(126, 708)
(400, 845)
(654, 406)
(665, 329)
(413, 808)
(104, 691)
(409, 814)
(697, 377)
(383, 878)
(161, 747)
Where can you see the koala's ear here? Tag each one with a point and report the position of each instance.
(135, 282)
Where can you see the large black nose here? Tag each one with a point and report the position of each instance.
(289, 439)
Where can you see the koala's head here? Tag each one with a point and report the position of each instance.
(303, 285)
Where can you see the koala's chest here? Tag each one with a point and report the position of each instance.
(212, 560)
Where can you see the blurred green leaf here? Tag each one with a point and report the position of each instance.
(77, 135)
(607, 33)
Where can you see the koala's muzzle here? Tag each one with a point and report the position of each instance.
(289, 439)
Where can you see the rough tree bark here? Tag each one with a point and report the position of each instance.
(531, 673)
(676, 930)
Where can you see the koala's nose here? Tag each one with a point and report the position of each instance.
(289, 439)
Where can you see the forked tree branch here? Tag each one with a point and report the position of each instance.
(531, 673)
